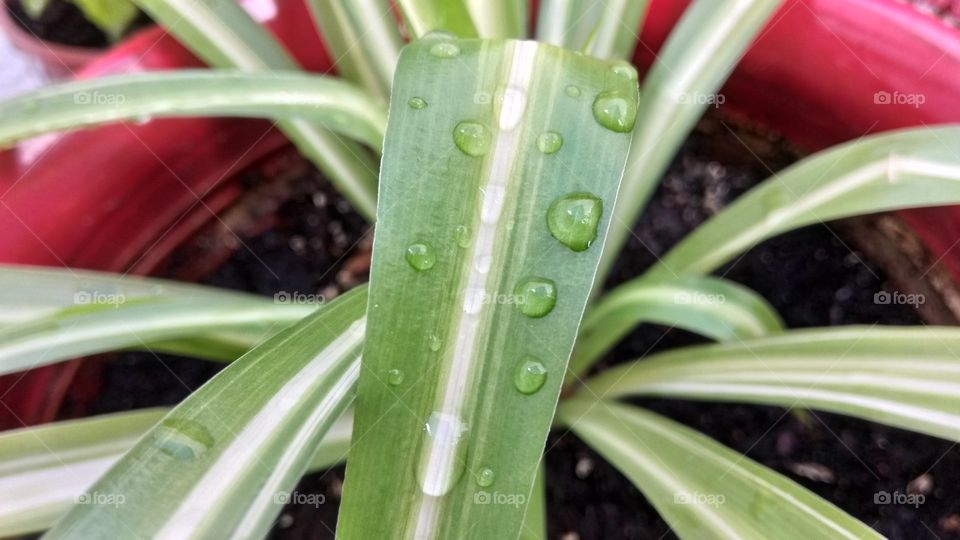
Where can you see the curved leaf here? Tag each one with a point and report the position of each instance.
(425, 16)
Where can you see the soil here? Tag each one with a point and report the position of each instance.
(63, 22)
(814, 277)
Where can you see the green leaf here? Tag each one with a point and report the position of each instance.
(715, 308)
(337, 105)
(464, 273)
(702, 488)
(903, 377)
(535, 520)
(568, 23)
(224, 35)
(113, 17)
(34, 8)
(218, 465)
(618, 29)
(58, 463)
(425, 16)
(902, 169)
(500, 19)
(691, 67)
(362, 36)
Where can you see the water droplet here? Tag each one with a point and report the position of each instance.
(537, 297)
(446, 446)
(485, 477)
(417, 103)
(182, 439)
(421, 257)
(472, 138)
(573, 219)
(549, 142)
(440, 35)
(394, 377)
(434, 343)
(572, 91)
(625, 70)
(445, 49)
(615, 111)
(530, 376)
(462, 236)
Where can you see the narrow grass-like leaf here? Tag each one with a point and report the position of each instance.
(493, 218)
(113, 17)
(715, 308)
(362, 36)
(425, 16)
(904, 377)
(330, 102)
(535, 520)
(617, 31)
(568, 23)
(56, 464)
(217, 465)
(702, 488)
(903, 169)
(224, 35)
(690, 69)
(500, 18)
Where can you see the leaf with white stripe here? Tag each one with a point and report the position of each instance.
(702, 488)
(217, 465)
(904, 377)
(497, 182)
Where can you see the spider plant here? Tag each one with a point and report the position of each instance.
(511, 172)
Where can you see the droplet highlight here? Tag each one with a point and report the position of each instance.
(421, 257)
(445, 50)
(472, 138)
(530, 376)
(573, 219)
(615, 111)
(485, 477)
(549, 142)
(536, 297)
(417, 103)
(182, 439)
(395, 377)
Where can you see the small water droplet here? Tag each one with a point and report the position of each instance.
(485, 477)
(445, 49)
(615, 111)
(573, 220)
(530, 375)
(625, 70)
(421, 257)
(549, 142)
(440, 35)
(462, 236)
(572, 91)
(445, 436)
(537, 297)
(434, 343)
(395, 377)
(417, 103)
(182, 439)
(472, 138)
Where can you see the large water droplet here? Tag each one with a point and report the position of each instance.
(462, 236)
(572, 91)
(615, 111)
(472, 138)
(445, 50)
(530, 376)
(395, 377)
(549, 142)
(625, 70)
(434, 343)
(417, 103)
(445, 440)
(536, 297)
(421, 257)
(182, 439)
(573, 219)
(485, 477)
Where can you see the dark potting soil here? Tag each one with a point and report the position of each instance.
(814, 277)
(63, 22)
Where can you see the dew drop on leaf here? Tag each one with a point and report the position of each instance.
(395, 377)
(536, 297)
(625, 70)
(182, 439)
(472, 138)
(573, 219)
(417, 103)
(421, 257)
(573, 91)
(530, 376)
(485, 477)
(549, 142)
(462, 236)
(615, 111)
(445, 50)
(434, 343)
(446, 445)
